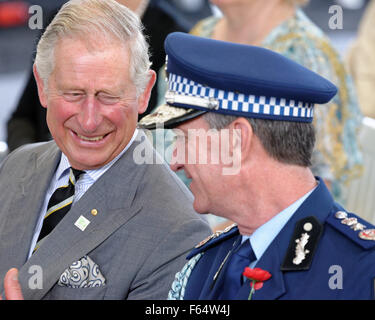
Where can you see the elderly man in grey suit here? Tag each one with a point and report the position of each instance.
(81, 217)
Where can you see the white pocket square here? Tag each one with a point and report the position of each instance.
(84, 273)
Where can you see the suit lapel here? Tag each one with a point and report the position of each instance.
(212, 289)
(30, 187)
(67, 243)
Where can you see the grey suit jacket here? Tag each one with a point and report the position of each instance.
(144, 228)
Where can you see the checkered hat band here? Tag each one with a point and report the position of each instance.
(238, 102)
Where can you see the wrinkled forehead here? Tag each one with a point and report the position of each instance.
(74, 52)
(92, 42)
(100, 67)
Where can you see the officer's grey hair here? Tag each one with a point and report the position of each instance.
(96, 20)
(286, 141)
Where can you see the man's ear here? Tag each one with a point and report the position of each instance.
(242, 136)
(236, 146)
(42, 91)
(145, 95)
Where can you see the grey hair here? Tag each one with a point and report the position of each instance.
(105, 20)
(286, 141)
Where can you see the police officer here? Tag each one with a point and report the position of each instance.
(260, 105)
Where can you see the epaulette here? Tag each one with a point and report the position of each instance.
(353, 227)
(213, 239)
(303, 244)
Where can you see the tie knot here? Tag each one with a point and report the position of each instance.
(231, 282)
(76, 173)
(246, 251)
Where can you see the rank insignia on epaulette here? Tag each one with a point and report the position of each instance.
(204, 241)
(342, 219)
(367, 234)
(215, 235)
(352, 222)
(302, 245)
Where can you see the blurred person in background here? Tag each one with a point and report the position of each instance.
(282, 26)
(361, 62)
(28, 124)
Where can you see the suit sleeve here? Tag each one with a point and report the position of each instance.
(157, 274)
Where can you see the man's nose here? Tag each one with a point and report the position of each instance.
(176, 163)
(176, 166)
(90, 117)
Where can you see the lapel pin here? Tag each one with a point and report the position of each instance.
(82, 223)
(94, 212)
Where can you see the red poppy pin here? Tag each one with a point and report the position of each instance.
(257, 277)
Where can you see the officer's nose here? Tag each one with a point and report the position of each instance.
(176, 163)
(176, 167)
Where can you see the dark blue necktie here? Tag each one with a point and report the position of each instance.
(242, 256)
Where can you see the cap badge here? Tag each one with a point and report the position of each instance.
(173, 97)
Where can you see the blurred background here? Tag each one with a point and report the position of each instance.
(18, 41)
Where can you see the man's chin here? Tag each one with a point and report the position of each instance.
(87, 161)
(199, 208)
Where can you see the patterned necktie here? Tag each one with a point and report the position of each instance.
(242, 256)
(59, 204)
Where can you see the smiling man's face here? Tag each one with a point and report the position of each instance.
(91, 101)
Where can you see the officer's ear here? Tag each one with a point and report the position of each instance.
(243, 136)
(240, 144)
